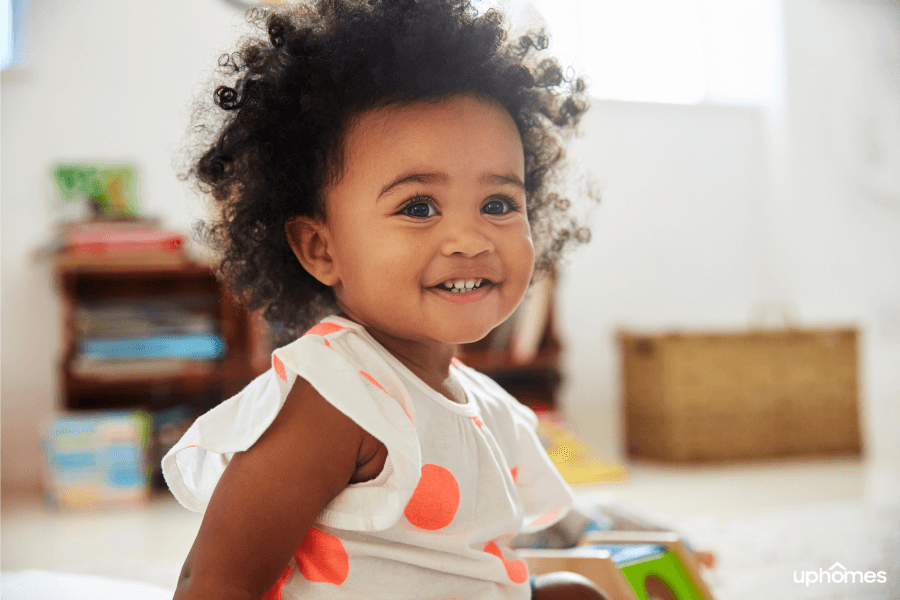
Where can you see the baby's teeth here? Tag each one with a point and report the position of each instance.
(462, 285)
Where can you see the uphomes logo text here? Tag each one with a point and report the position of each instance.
(838, 573)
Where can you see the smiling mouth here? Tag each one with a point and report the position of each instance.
(462, 286)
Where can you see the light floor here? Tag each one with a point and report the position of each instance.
(765, 522)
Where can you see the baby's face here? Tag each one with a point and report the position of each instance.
(431, 196)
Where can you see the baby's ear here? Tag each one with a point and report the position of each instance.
(309, 239)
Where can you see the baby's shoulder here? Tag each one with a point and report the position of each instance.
(340, 351)
(332, 333)
(333, 336)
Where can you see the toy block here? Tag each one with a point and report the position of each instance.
(656, 564)
(594, 564)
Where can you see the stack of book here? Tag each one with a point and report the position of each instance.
(97, 459)
(123, 242)
(144, 337)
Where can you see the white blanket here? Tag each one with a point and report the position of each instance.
(47, 585)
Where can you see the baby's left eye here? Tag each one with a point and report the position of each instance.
(498, 206)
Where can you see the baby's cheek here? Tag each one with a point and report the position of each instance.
(528, 241)
(521, 259)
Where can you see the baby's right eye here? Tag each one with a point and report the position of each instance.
(420, 210)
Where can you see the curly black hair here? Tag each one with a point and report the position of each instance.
(271, 141)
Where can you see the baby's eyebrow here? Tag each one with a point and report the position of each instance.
(414, 178)
(507, 178)
(442, 178)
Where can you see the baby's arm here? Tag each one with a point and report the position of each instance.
(268, 498)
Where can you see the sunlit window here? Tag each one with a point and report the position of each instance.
(678, 51)
(6, 21)
(11, 22)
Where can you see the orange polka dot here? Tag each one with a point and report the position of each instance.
(515, 473)
(434, 502)
(477, 421)
(279, 368)
(547, 519)
(324, 329)
(516, 570)
(322, 558)
(274, 592)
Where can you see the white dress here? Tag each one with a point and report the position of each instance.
(460, 480)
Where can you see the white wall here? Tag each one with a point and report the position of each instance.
(103, 80)
(696, 225)
(675, 241)
(709, 211)
(841, 234)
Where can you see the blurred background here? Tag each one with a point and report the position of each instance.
(748, 159)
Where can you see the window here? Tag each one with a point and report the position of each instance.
(678, 51)
(12, 23)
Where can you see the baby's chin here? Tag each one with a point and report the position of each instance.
(444, 333)
(428, 326)
(459, 334)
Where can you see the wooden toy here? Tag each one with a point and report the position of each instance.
(628, 565)
(656, 564)
(595, 564)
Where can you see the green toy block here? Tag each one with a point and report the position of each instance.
(660, 576)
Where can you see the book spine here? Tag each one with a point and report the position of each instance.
(172, 244)
(186, 346)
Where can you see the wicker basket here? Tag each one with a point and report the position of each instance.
(724, 397)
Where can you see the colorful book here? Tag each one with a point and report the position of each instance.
(120, 369)
(96, 458)
(576, 460)
(100, 238)
(175, 346)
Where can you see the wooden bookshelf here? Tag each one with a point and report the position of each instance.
(200, 384)
(172, 391)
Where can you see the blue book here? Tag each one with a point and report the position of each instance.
(622, 553)
(162, 346)
(97, 458)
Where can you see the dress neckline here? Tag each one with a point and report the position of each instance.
(469, 408)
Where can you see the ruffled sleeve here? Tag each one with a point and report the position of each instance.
(331, 359)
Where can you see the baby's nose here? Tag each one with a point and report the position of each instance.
(466, 238)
